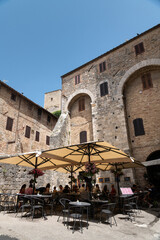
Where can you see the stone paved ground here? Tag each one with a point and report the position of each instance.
(145, 227)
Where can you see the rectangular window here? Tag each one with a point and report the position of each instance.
(9, 124)
(107, 180)
(127, 179)
(48, 119)
(13, 97)
(39, 111)
(37, 136)
(100, 180)
(103, 89)
(139, 48)
(146, 81)
(28, 132)
(138, 127)
(47, 140)
(83, 136)
(81, 104)
(77, 79)
(102, 67)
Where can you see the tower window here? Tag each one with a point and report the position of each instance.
(147, 81)
(77, 79)
(37, 136)
(9, 124)
(83, 136)
(81, 104)
(139, 48)
(47, 140)
(28, 132)
(102, 67)
(103, 89)
(138, 127)
(13, 97)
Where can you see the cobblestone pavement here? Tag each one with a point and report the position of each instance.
(145, 226)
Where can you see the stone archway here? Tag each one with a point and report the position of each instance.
(133, 69)
(154, 171)
(80, 113)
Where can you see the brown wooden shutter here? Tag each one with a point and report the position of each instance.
(81, 104)
(9, 124)
(147, 81)
(47, 140)
(83, 136)
(77, 79)
(28, 132)
(102, 67)
(37, 136)
(138, 127)
(139, 48)
(103, 89)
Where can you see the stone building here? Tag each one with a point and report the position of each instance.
(115, 97)
(24, 127)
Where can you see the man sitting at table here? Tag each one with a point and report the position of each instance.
(85, 195)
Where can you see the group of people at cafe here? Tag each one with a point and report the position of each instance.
(83, 192)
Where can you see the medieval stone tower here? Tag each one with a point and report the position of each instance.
(115, 97)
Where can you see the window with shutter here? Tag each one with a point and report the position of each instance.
(81, 104)
(48, 119)
(13, 96)
(138, 127)
(9, 124)
(77, 79)
(37, 136)
(146, 81)
(47, 140)
(83, 136)
(103, 89)
(139, 48)
(102, 67)
(28, 132)
(39, 111)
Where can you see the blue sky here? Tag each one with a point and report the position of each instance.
(40, 40)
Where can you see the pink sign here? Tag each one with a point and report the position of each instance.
(126, 191)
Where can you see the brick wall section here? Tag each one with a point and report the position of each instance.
(23, 112)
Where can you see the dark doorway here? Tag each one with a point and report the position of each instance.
(154, 171)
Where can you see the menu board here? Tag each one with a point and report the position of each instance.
(126, 191)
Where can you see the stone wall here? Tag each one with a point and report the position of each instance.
(108, 113)
(52, 101)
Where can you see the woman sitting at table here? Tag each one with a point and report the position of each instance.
(22, 190)
(105, 192)
(29, 190)
(85, 195)
(66, 189)
(113, 192)
(47, 190)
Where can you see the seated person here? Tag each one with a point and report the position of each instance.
(47, 190)
(82, 188)
(85, 195)
(55, 190)
(105, 192)
(113, 192)
(22, 190)
(66, 189)
(29, 190)
(60, 189)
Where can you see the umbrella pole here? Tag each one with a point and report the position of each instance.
(35, 176)
(71, 178)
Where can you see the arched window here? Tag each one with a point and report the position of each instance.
(83, 136)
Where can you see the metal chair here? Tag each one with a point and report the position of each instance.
(51, 203)
(8, 202)
(64, 202)
(108, 211)
(76, 214)
(37, 204)
(25, 205)
(128, 208)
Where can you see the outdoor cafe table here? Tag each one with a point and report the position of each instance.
(96, 203)
(81, 205)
